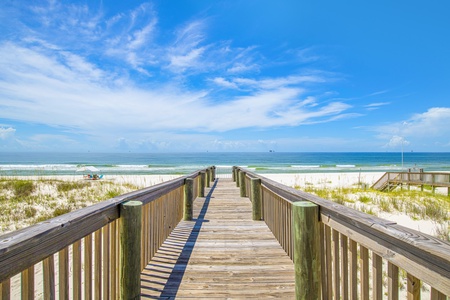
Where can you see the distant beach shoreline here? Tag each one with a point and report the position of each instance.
(48, 164)
(301, 181)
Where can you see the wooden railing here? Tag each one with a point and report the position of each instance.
(392, 179)
(362, 256)
(77, 255)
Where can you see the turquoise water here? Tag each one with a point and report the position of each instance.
(185, 163)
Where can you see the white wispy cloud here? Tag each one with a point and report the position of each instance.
(377, 105)
(239, 68)
(220, 81)
(6, 133)
(81, 83)
(59, 94)
(397, 141)
(428, 130)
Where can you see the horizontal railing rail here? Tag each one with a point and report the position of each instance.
(223, 171)
(436, 179)
(78, 253)
(351, 241)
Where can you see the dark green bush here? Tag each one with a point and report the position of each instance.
(23, 188)
(67, 186)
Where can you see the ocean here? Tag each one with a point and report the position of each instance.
(42, 164)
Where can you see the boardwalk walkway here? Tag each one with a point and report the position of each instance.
(222, 253)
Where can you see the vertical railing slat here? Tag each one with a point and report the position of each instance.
(63, 274)
(392, 281)
(5, 288)
(143, 238)
(413, 287)
(336, 265)
(28, 283)
(364, 269)
(106, 263)
(377, 277)
(344, 266)
(323, 261)
(353, 270)
(76, 265)
(49, 277)
(328, 263)
(436, 295)
(98, 264)
(114, 259)
(88, 266)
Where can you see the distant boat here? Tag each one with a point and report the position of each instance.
(271, 151)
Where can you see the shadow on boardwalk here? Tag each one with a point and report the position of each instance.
(222, 254)
(179, 246)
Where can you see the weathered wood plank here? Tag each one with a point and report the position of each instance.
(221, 253)
(415, 252)
(23, 248)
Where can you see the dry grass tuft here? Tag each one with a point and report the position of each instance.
(418, 205)
(27, 202)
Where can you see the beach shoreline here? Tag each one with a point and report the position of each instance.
(302, 181)
(328, 179)
(356, 181)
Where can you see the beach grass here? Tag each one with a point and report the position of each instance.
(417, 205)
(27, 202)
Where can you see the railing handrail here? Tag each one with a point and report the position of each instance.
(397, 242)
(380, 182)
(25, 247)
(399, 177)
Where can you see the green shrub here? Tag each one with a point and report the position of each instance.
(23, 188)
(385, 205)
(61, 211)
(30, 212)
(113, 193)
(368, 210)
(435, 211)
(338, 197)
(364, 199)
(67, 186)
(443, 232)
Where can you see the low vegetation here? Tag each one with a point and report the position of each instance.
(27, 202)
(416, 204)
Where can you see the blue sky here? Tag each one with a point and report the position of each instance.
(250, 75)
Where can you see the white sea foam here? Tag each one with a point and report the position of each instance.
(306, 166)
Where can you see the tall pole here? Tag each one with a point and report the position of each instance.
(402, 152)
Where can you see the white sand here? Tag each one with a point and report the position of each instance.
(346, 180)
(140, 181)
(326, 180)
(300, 180)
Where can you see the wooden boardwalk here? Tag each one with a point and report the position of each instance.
(221, 254)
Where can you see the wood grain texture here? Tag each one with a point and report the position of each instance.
(222, 253)
(417, 253)
(23, 248)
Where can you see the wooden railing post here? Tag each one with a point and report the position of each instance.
(130, 250)
(208, 177)
(242, 189)
(188, 198)
(255, 187)
(307, 265)
(433, 180)
(233, 173)
(236, 172)
(201, 184)
(213, 173)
